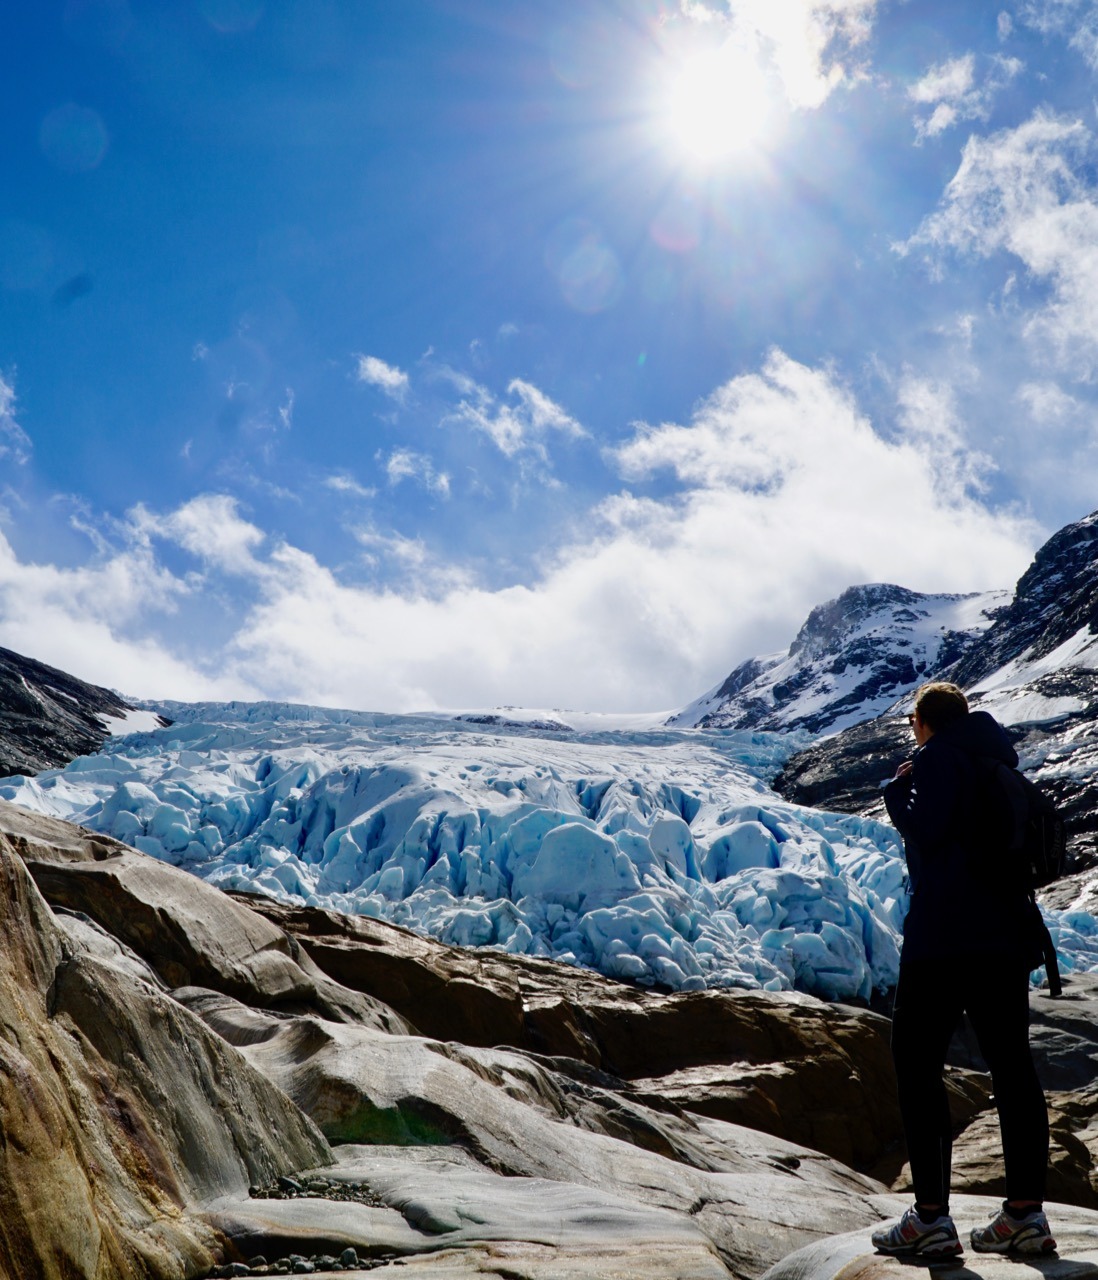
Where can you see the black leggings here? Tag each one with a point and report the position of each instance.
(930, 998)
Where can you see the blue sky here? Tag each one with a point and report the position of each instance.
(563, 354)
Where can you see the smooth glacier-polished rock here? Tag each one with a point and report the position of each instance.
(119, 1111)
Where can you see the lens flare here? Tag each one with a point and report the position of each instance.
(587, 269)
(73, 138)
(232, 17)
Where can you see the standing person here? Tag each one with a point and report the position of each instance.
(968, 947)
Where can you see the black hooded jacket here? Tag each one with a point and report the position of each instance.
(963, 902)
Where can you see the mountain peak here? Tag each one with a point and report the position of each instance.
(852, 658)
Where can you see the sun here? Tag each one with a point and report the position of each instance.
(717, 104)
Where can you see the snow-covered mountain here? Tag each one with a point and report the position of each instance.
(1035, 668)
(48, 717)
(853, 657)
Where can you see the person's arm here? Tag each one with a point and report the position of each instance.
(921, 802)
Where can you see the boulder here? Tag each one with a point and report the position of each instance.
(816, 1074)
(749, 1194)
(446, 1216)
(187, 931)
(119, 1110)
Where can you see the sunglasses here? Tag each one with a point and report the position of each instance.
(910, 718)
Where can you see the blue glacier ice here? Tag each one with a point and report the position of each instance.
(658, 856)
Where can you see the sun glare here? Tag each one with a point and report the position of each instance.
(717, 104)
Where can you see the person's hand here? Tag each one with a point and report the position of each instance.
(904, 769)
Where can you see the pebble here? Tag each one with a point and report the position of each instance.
(317, 1189)
(296, 1264)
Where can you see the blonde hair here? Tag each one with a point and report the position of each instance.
(939, 702)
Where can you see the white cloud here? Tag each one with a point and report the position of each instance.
(1059, 452)
(1048, 402)
(343, 483)
(406, 464)
(210, 528)
(810, 44)
(789, 496)
(94, 620)
(1023, 191)
(391, 380)
(1075, 19)
(1004, 25)
(927, 413)
(518, 428)
(1051, 17)
(15, 444)
(784, 495)
(286, 410)
(946, 82)
(951, 91)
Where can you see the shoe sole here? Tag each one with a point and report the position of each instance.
(930, 1261)
(936, 1253)
(1027, 1248)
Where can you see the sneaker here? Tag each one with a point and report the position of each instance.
(1006, 1234)
(911, 1237)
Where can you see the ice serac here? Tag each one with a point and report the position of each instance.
(853, 657)
(654, 856)
(48, 717)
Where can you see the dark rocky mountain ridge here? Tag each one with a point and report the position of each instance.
(48, 717)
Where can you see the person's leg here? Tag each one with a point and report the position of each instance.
(997, 1000)
(925, 1013)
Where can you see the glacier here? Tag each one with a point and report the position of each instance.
(656, 856)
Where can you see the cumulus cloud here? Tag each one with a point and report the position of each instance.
(14, 442)
(387, 377)
(812, 45)
(209, 527)
(950, 93)
(1025, 191)
(782, 494)
(787, 496)
(516, 429)
(406, 464)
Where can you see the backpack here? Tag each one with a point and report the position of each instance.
(1019, 824)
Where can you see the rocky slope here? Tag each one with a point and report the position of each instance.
(48, 717)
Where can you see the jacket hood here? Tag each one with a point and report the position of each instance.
(980, 734)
